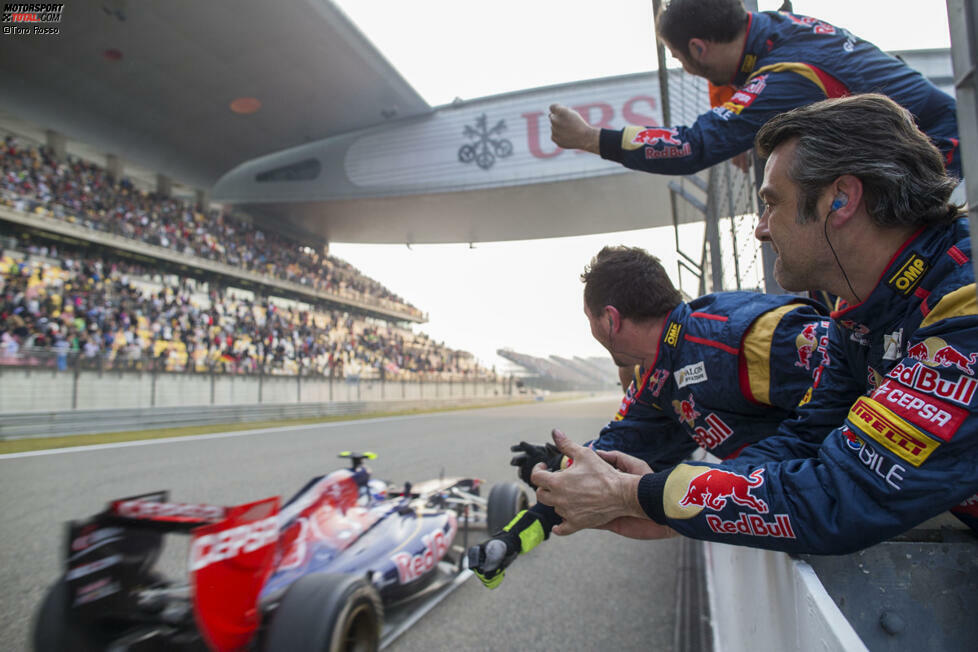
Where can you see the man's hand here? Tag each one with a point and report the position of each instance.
(489, 559)
(633, 527)
(531, 455)
(588, 494)
(624, 462)
(570, 131)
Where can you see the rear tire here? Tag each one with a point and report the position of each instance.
(57, 629)
(327, 612)
(505, 501)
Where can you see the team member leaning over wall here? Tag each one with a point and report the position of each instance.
(856, 204)
(720, 373)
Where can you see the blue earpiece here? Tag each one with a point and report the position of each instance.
(838, 203)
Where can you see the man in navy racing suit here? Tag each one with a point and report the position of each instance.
(776, 62)
(856, 204)
(719, 373)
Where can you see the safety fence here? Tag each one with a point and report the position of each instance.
(85, 386)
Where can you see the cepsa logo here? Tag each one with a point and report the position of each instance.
(211, 548)
(168, 511)
(934, 416)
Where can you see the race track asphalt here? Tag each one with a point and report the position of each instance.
(590, 591)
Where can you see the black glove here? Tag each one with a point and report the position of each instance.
(489, 559)
(530, 455)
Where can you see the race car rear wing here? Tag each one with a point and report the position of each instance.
(112, 554)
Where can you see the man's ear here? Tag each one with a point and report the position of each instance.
(697, 48)
(847, 194)
(613, 317)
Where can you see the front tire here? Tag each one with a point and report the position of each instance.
(327, 612)
(505, 501)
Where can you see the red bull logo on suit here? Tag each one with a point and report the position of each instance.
(691, 489)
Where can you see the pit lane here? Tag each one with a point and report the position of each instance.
(590, 591)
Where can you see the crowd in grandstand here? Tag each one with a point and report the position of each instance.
(78, 191)
(70, 307)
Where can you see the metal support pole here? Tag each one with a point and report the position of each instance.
(962, 16)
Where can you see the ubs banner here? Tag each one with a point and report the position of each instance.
(494, 142)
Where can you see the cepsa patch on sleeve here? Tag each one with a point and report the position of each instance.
(742, 98)
(879, 423)
(932, 415)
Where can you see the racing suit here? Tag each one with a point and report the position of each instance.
(772, 345)
(898, 404)
(788, 61)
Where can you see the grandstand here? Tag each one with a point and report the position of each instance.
(70, 298)
(557, 373)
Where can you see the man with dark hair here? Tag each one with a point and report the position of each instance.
(857, 203)
(777, 61)
(719, 373)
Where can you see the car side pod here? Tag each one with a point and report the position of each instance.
(329, 612)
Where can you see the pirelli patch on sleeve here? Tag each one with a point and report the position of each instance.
(877, 422)
(909, 274)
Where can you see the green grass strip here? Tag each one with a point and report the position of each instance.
(67, 441)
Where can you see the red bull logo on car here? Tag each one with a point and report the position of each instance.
(935, 352)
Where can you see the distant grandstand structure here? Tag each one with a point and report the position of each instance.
(560, 374)
(97, 275)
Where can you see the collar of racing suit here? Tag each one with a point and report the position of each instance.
(905, 279)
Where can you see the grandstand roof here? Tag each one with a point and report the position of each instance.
(152, 82)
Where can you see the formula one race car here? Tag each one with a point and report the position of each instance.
(320, 572)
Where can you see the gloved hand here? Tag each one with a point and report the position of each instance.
(489, 559)
(531, 455)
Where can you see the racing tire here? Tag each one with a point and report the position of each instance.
(505, 501)
(57, 629)
(327, 612)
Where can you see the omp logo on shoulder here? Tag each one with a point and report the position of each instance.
(18, 12)
(909, 274)
(672, 334)
(882, 425)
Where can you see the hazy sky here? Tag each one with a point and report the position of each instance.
(527, 295)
